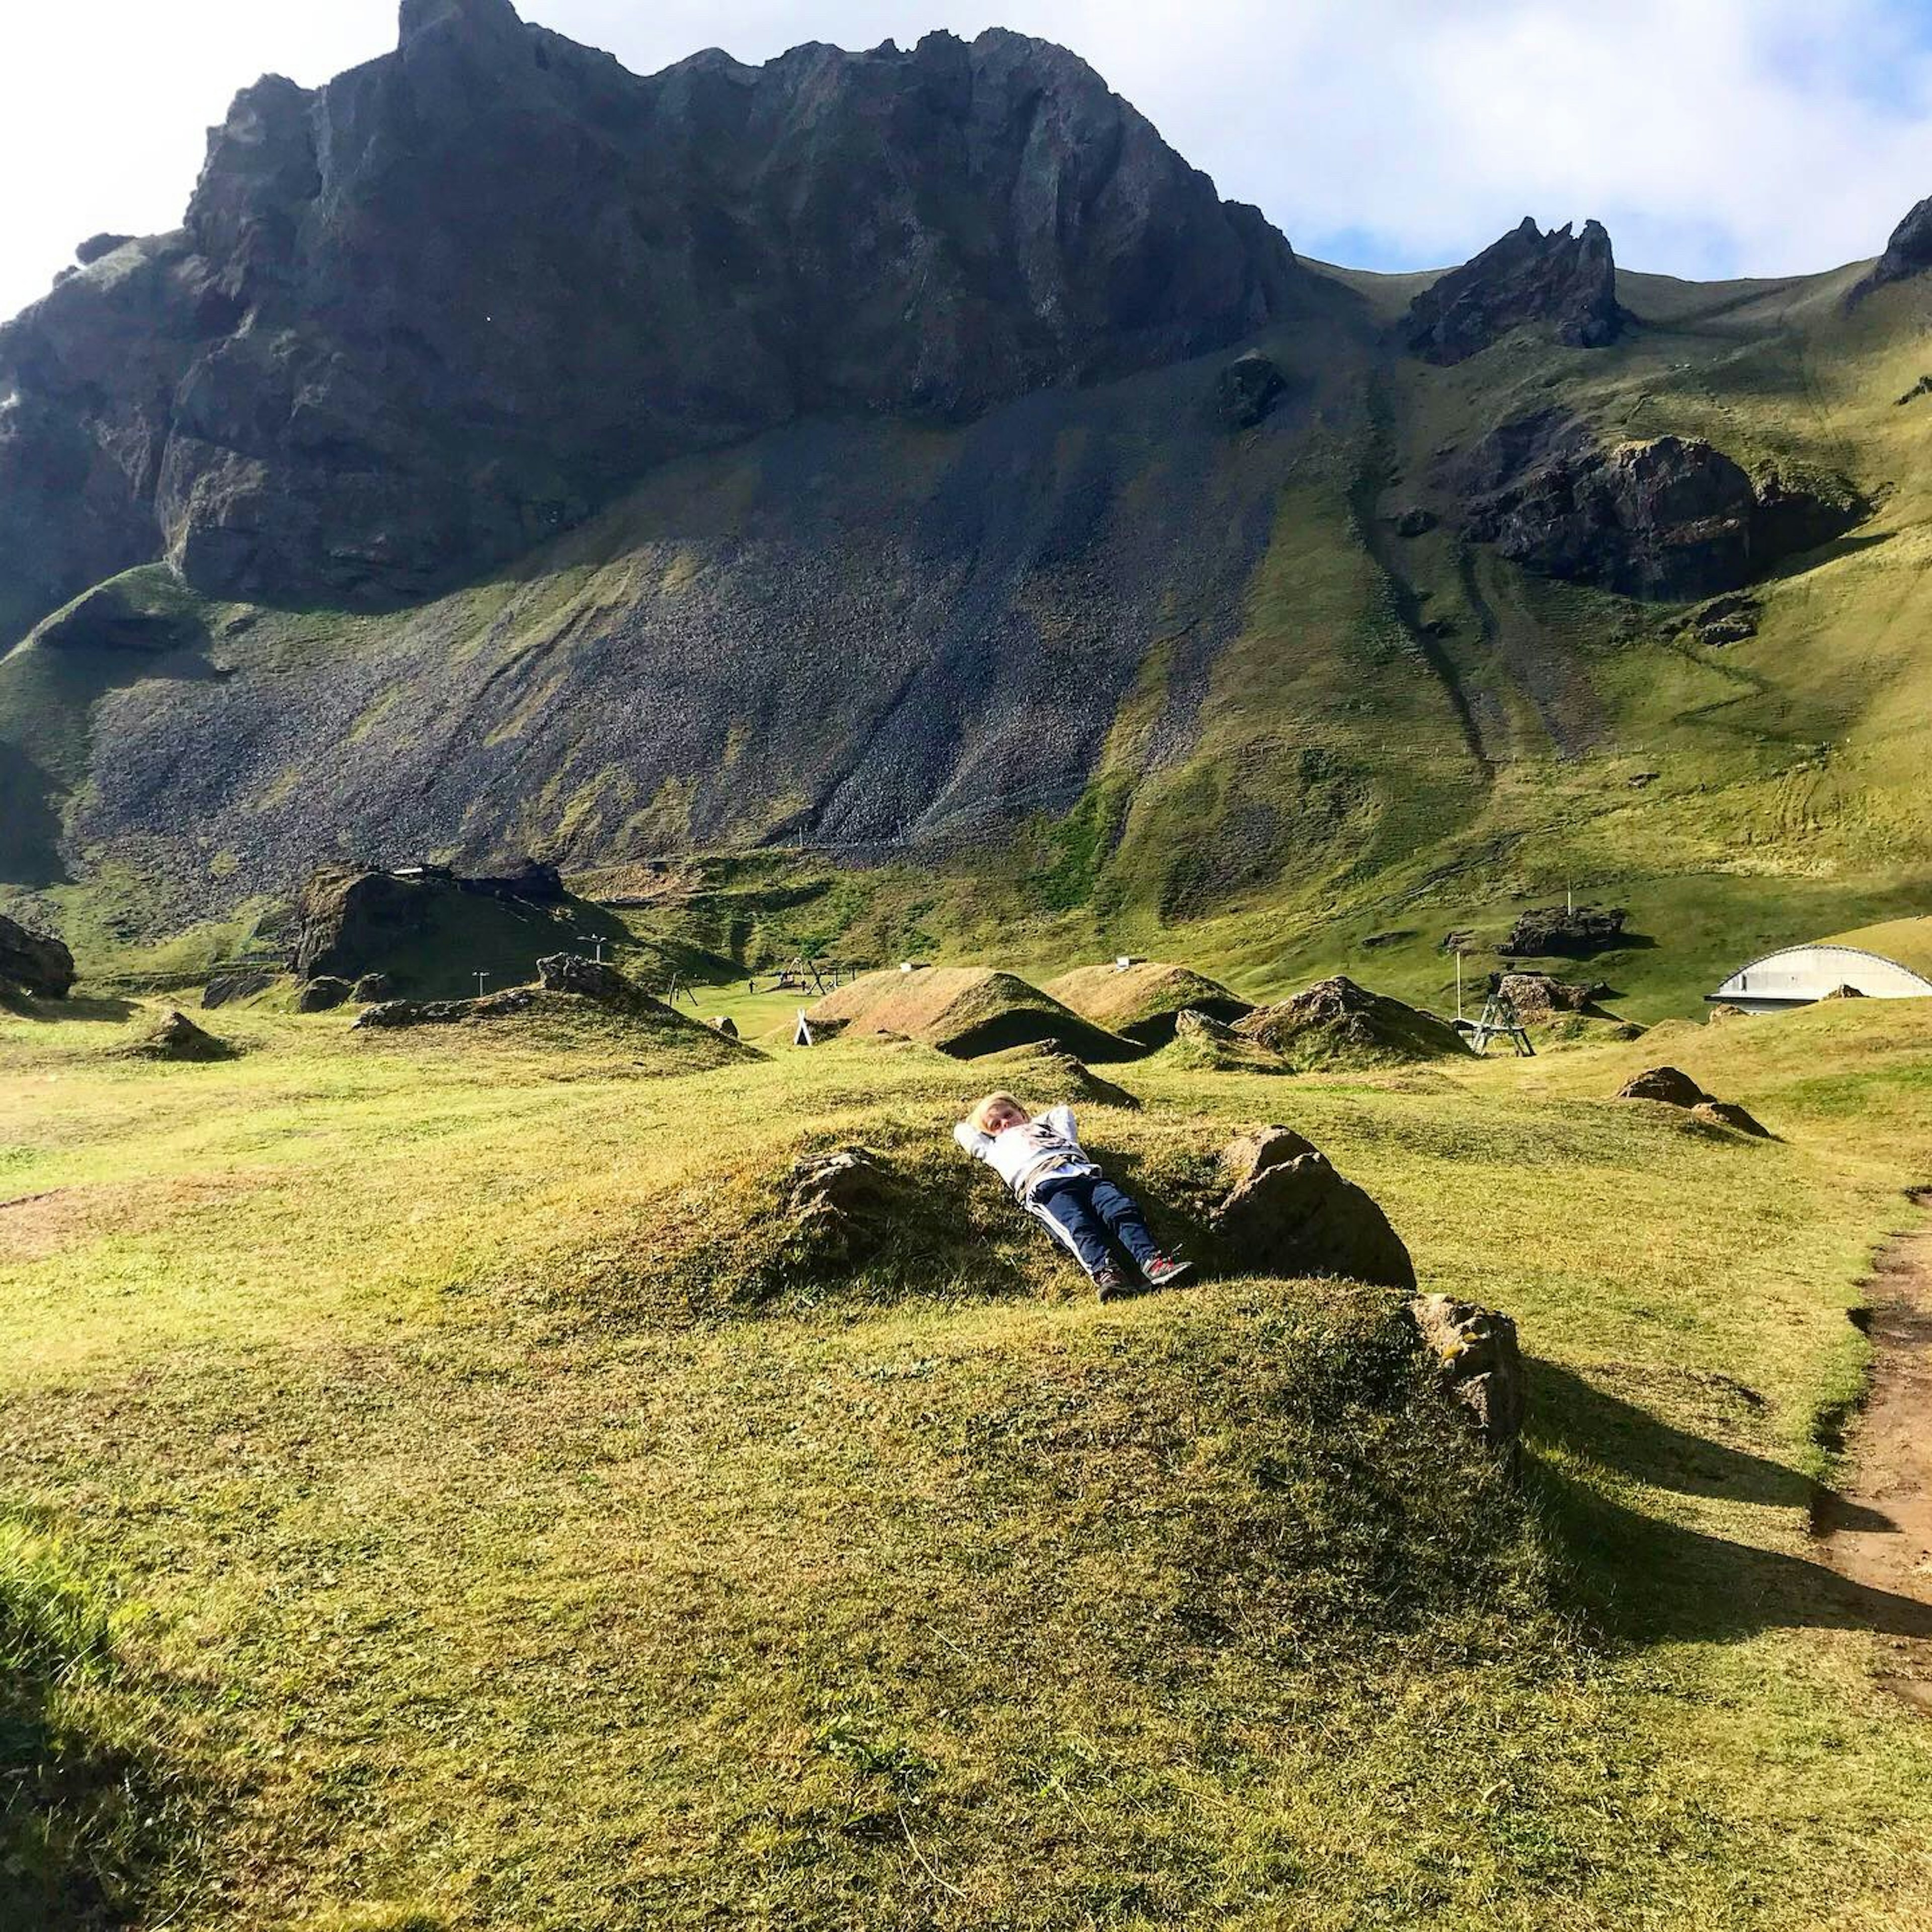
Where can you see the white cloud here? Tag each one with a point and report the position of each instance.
(1712, 136)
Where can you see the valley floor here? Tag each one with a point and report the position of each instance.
(408, 1521)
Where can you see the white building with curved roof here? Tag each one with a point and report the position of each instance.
(1892, 961)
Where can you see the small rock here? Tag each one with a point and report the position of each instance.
(725, 1024)
(1299, 1217)
(1724, 1013)
(1475, 1352)
(374, 988)
(1728, 1113)
(179, 1038)
(1665, 1084)
(843, 1204)
(323, 994)
(1414, 521)
(1844, 993)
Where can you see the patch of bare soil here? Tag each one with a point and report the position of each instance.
(1879, 1532)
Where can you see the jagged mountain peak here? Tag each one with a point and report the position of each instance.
(1561, 280)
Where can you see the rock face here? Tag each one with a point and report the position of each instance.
(590, 979)
(1475, 1352)
(1908, 253)
(1336, 1024)
(1671, 518)
(1542, 995)
(36, 962)
(323, 994)
(421, 317)
(1564, 283)
(1572, 932)
(1298, 1216)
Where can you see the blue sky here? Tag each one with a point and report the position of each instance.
(1712, 137)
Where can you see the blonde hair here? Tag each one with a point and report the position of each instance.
(981, 1109)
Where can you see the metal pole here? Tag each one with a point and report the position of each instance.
(1459, 983)
(480, 978)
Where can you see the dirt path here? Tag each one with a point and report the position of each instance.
(1879, 1532)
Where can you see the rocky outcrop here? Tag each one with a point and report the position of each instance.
(845, 1205)
(1296, 1215)
(1542, 996)
(1206, 1045)
(590, 978)
(376, 358)
(373, 988)
(228, 984)
(323, 994)
(1336, 1024)
(1671, 519)
(1561, 282)
(1908, 253)
(1476, 1354)
(35, 962)
(1565, 931)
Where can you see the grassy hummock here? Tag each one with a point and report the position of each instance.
(964, 1011)
(1142, 1001)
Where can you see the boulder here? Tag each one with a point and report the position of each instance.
(1666, 1084)
(1564, 283)
(1336, 1024)
(323, 994)
(726, 1025)
(1542, 996)
(1844, 993)
(845, 1204)
(1728, 1113)
(1475, 1353)
(1414, 521)
(1298, 1216)
(1247, 388)
(373, 988)
(1723, 1013)
(1671, 518)
(178, 1038)
(1260, 1148)
(36, 962)
(96, 246)
(1567, 932)
(230, 983)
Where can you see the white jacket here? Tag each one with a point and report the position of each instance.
(1045, 1149)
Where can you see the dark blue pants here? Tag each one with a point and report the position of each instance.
(1085, 1209)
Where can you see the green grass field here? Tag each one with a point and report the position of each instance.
(428, 1504)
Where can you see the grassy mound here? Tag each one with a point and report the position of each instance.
(1336, 1025)
(535, 1017)
(1204, 1045)
(965, 1011)
(1045, 1076)
(1142, 1001)
(1907, 941)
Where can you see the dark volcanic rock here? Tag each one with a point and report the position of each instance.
(1908, 253)
(1247, 388)
(230, 983)
(422, 316)
(1565, 282)
(1572, 932)
(178, 1038)
(590, 979)
(1542, 996)
(36, 962)
(323, 994)
(373, 988)
(534, 880)
(349, 919)
(91, 251)
(1671, 518)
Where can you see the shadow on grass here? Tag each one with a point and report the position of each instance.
(25, 1007)
(1643, 1581)
(87, 1810)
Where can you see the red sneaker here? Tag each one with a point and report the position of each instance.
(1163, 1269)
(1111, 1284)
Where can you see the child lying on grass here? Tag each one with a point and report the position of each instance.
(1054, 1179)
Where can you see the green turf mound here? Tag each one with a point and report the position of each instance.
(538, 1017)
(965, 1011)
(1141, 1002)
(1337, 1025)
(1202, 1044)
(1046, 1074)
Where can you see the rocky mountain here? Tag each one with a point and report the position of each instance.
(905, 454)
(424, 317)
